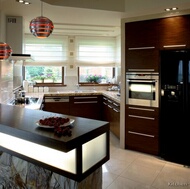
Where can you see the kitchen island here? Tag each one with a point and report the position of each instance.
(29, 151)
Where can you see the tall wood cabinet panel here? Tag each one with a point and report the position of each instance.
(174, 32)
(141, 34)
(142, 60)
(141, 42)
(142, 129)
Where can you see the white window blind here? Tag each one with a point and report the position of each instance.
(96, 51)
(51, 49)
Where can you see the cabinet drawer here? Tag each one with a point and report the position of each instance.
(142, 111)
(141, 143)
(149, 127)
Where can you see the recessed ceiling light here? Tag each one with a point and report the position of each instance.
(170, 9)
(23, 2)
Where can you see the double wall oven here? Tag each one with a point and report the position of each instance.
(142, 89)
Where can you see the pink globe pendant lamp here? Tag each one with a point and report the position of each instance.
(41, 27)
(5, 51)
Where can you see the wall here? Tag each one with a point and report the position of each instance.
(6, 81)
(6, 68)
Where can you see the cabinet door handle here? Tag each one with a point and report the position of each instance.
(169, 46)
(148, 70)
(110, 101)
(140, 48)
(144, 109)
(115, 104)
(142, 134)
(109, 106)
(142, 117)
(116, 110)
(86, 102)
(88, 97)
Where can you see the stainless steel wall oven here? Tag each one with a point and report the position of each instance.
(142, 89)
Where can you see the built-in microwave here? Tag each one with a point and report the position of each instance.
(142, 89)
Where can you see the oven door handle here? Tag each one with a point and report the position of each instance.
(140, 81)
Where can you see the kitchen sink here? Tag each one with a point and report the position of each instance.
(24, 100)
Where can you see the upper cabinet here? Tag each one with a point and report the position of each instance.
(141, 34)
(144, 40)
(174, 32)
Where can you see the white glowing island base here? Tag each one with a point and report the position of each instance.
(32, 157)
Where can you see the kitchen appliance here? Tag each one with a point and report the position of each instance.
(142, 89)
(175, 106)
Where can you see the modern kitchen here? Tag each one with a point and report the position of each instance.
(135, 107)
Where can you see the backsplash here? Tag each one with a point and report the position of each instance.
(6, 81)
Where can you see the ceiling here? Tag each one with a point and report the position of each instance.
(91, 17)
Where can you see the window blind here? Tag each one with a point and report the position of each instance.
(53, 49)
(95, 51)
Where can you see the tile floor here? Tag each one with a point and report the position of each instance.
(133, 170)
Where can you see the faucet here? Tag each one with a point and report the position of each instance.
(78, 87)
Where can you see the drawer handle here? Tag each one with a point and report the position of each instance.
(115, 104)
(87, 102)
(110, 101)
(116, 110)
(141, 48)
(142, 117)
(105, 103)
(88, 97)
(145, 109)
(104, 98)
(169, 46)
(109, 106)
(141, 134)
(148, 70)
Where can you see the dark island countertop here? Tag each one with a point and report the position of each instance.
(21, 122)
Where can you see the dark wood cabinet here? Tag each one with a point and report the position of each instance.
(174, 32)
(141, 34)
(56, 104)
(142, 129)
(86, 106)
(111, 113)
(145, 39)
(142, 60)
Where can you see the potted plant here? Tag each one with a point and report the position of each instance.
(94, 78)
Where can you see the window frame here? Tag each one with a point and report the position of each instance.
(49, 84)
(94, 84)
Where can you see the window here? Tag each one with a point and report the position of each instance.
(44, 74)
(98, 75)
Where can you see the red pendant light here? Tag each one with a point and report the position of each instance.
(41, 27)
(5, 51)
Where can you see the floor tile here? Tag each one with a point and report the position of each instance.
(129, 169)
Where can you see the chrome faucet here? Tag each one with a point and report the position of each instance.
(78, 87)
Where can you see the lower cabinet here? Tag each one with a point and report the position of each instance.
(142, 133)
(86, 106)
(111, 113)
(56, 104)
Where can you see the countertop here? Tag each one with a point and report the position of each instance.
(22, 122)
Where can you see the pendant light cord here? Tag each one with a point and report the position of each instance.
(41, 8)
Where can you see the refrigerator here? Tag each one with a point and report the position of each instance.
(175, 106)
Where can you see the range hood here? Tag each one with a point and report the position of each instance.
(14, 37)
(18, 57)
